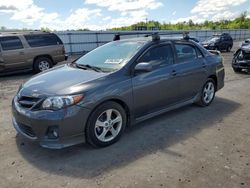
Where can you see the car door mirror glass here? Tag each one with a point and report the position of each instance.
(143, 67)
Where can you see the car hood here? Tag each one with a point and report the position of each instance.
(211, 41)
(62, 80)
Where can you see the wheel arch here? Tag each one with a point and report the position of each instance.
(43, 55)
(214, 77)
(117, 100)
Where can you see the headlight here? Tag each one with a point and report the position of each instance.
(59, 102)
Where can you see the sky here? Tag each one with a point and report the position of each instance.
(105, 14)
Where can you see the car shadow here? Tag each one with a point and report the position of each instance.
(244, 72)
(156, 134)
(17, 75)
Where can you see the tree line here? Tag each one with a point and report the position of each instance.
(241, 22)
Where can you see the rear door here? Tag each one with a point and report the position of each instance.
(13, 56)
(157, 89)
(190, 69)
(44, 44)
(223, 43)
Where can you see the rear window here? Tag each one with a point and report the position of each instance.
(11, 43)
(185, 52)
(42, 40)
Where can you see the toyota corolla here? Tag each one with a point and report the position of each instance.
(116, 85)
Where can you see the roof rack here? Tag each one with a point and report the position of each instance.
(155, 35)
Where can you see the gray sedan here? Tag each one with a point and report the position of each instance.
(112, 87)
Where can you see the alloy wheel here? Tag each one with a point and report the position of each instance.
(108, 125)
(208, 92)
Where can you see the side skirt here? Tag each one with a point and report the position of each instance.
(173, 107)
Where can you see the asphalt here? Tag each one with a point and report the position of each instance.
(188, 147)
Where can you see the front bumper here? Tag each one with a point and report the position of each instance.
(34, 125)
(243, 64)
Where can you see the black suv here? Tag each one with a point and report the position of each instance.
(219, 42)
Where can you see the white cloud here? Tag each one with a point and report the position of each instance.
(24, 11)
(195, 19)
(131, 11)
(27, 12)
(78, 19)
(106, 18)
(216, 10)
(211, 7)
(126, 5)
(226, 15)
(15, 4)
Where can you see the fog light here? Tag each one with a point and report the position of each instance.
(53, 132)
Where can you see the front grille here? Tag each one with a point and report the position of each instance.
(28, 102)
(26, 130)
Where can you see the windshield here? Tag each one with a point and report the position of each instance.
(213, 39)
(111, 56)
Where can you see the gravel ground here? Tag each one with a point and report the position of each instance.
(188, 147)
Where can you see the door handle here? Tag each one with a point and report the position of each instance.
(174, 73)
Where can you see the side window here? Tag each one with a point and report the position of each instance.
(223, 38)
(158, 56)
(37, 40)
(11, 43)
(185, 52)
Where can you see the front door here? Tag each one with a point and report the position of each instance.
(12, 53)
(157, 89)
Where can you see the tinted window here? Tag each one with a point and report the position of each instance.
(223, 38)
(42, 40)
(158, 56)
(11, 43)
(185, 52)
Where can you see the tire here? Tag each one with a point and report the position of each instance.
(207, 95)
(237, 70)
(229, 48)
(101, 131)
(42, 64)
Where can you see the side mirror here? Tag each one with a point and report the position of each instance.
(143, 67)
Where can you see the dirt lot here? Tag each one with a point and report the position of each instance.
(189, 147)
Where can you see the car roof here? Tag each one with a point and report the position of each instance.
(22, 33)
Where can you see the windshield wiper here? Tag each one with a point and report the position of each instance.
(82, 66)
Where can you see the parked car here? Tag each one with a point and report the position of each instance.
(219, 42)
(38, 51)
(116, 85)
(241, 58)
(194, 39)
